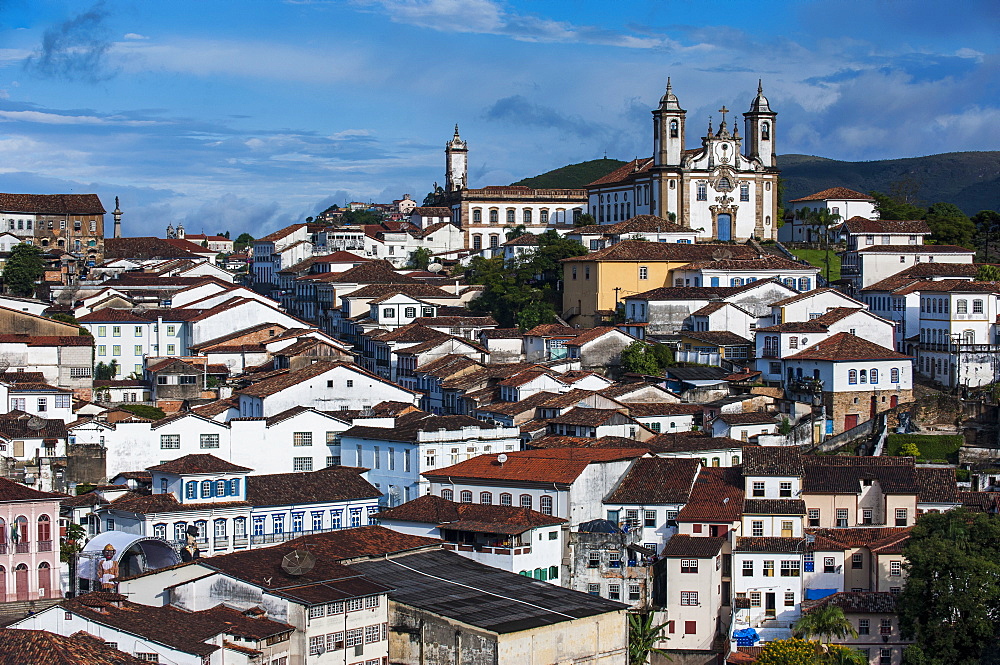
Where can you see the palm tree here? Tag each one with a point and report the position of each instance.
(643, 637)
(828, 621)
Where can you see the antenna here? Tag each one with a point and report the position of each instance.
(298, 562)
(502, 457)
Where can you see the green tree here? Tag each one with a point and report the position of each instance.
(988, 273)
(106, 372)
(950, 605)
(65, 318)
(949, 225)
(890, 208)
(638, 357)
(71, 543)
(793, 651)
(511, 232)
(828, 621)
(643, 637)
(586, 219)
(358, 217)
(987, 223)
(242, 241)
(664, 355)
(420, 258)
(24, 267)
(909, 449)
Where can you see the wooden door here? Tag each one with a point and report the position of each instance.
(21, 582)
(44, 580)
(850, 421)
(893, 401)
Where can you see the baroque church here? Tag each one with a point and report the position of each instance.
(717, 189)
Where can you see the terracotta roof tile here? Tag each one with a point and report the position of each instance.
(625, 171)
(372, 272)
(835, 193)
(772, 461)
(52, 204)
(748, 418)
(196, 463)
(683, 545)
(40, 647)
(408, 426)
(774, 507)
(637, 224)
(937, 485)
(639, 250)
(770, 544)
(717, 496)
(552, 465)
(430, 509)
(857, 602)
(11, 491)
(656, 480)
(844, 347)
(875, 226)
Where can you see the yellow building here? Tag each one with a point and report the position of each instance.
(596, 282)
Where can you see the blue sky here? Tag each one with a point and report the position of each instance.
(249, 115)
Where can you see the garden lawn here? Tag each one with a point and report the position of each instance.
(817, 257)
(943, 447)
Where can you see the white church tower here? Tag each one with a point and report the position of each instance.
(668, 130)
(759, 121)
(456, 164)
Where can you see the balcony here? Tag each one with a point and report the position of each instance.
(220, 543)
(240, 541)
(44, 545)
(805, 385)
(3, 548)
(22, 548)
(770, 352)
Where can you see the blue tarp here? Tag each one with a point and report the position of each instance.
(746, 637)
(816, 594)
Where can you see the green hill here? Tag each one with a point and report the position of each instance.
(970, 180)
(574, 176)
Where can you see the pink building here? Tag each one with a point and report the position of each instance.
(29, 543)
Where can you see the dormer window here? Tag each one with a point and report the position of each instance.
(206, 489)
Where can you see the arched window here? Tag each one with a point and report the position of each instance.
(506, 499)
(191, 490)
(674, 129)
(494, 240)
(160, 531)
(969, 337)
(206, 489)
(852, 376)
(894, 375)
(526, 216)
(962, 306)
(3, 534)
(546, 505)
(494, 217)
(526, 501)
(736, 460)
(202, 526)
(716, 461)
(466, 496)
(477, 241)
(873, 376)
(180, 531)
(765, 131)
(477, 216)
(510, 216)
(448, 495)
(44, 531)
(21, 528)
(724, 183)
(864, 376)
(486, 498)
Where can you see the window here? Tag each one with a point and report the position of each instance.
(373, 634)
(477, 240)
(768, 569)
(977, 306)
(148, 657)
(757, 529)
(790, 568)
(814, 517)
(866, 516)
(506, 499)
(857, 561)
(793, 342)
(43, 404)
(170, 441)
(209, 440)
(894, 375)
(785, 489)
(895, 568)
(873, 376)
(885, 628)
(643, 272)
(702, 191)
(486, 498)
(755, 599)
(864, 627)
(545, 505)
(674, 131)
(477, 216)
(789, 599)
(614, 592)
(191, 490)
(466, 496)
(302, 464)
(758, 488)
(116, 331)
(526, 501)
(635, 593)
(116, 350)
(901, 517)
(355, 637)
(171, 349)
(102, 350)
(447, 495)
(689, 597)
(543, 217)
(744, 191)
(841, 517)
(689, 566)
(594, 589)
(649, 519)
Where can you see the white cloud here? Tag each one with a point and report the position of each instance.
(134, 36)
(59, 119)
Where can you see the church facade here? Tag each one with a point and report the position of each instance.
(718, 190)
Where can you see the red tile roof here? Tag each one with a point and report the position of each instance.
(625, 171)
(430, 509)
(915, 249)
(844, 347)
(717, 496)
(203, 463)
(52, 204)
(40, 647)
(695, 547)
(335, 483)
(656, 480)
(835, 193)
(15, 492)
(640, 250)
(551, 465)
(875, 226)
(637, 224)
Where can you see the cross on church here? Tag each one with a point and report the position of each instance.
(723, 111)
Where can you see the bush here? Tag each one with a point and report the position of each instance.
(144, 411)
(934, 447)
(909, 449)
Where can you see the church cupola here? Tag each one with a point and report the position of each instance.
(668, 130)
(456, 164)
(759, 121)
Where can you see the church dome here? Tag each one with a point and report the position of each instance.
(668, 102)
(760, 103)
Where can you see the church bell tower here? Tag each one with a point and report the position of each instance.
(760, 130)
(668, 130)
(456, 164)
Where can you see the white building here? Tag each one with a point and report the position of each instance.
(845, 203)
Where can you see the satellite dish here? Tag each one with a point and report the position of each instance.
(298, 562)
(435, 267)
(36, 423)
(721, 255)
(502, 457)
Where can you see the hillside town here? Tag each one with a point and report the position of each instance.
(500, 424)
